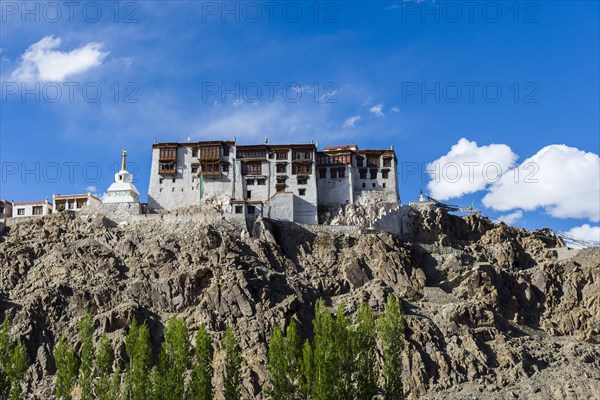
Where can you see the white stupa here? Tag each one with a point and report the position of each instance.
(122, 191)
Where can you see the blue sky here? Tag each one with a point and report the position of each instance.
(420, 76)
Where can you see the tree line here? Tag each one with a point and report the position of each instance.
(343, 361)
(178, 374)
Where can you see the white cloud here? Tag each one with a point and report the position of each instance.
(585, 232)
(376, 110)
(91, 189)
(394, 109)
(564, 180)
(43, 62)
(468, 168)
(511, 217)
(350, 122)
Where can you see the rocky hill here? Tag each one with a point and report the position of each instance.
(493, 312)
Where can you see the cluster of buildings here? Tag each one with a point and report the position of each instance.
(292, 182)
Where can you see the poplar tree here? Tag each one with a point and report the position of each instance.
(201, 384)
(174, 359)
(86, 354)
(16, 369)
(139, 351)
(280, 388)
(156, 382)
(233, 362)
(105, 358)
(342, 342)
(325, 356)
(66, 368)
(306, 371)
(5, 353)
(391, 334)
(364, 344)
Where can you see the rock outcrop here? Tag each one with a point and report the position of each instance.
(492, 311)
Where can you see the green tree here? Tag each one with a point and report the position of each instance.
(283, 367)
(174, 360)
(325, 355)
(16, 369)
(5, 354)
(306, 371)
(201, 383)
(364, 344)
(139, 351)
(233, 363)
(86, 354)
(156, 384)
(390, 328)
(342, 339)
(66, 368)
(105, 358)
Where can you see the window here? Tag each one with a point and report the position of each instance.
(251, 169)
(249, 181)
(302, 155)
(160, 180)
(322, 173)
(373, 162)
(281, 180)
(333, 173)
(251, 210)
(226, 151)
(251, 153)
(325, 159)
(341, 172)
(363, 173)
(71, 205)
(385, 173)
(239, 209)
(261, 181)
(210, 152)
(226, 167)
(363, 185)
(248, 194)
(281, 167)
(20, 211)
(270, 155)
(168, 153)
(373, 174)
(280, 188)
(194, 152)
(38, 210)
(360, 161)
(302, 180)
(167, 167)
(281, 155)
(387, 162)
(195, 168)
(81, 203)
(172, 189)
(301, 169)
(301, 192)
(384, 185)
(373, 184)
(173, 180)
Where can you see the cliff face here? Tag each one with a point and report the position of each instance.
(492, 311)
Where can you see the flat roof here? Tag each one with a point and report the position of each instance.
(29, 203)
(193, 144)
(69, 196)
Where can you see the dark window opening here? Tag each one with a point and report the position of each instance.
(373, 184)
(261, 181)
(20, 211)
(384, 185)
(333, 173)
(239, 209)
(385, 174)
(341, 172)
(251, 210)
(387, 162)
(301, 192)
(194, 152)
(302, 180)
(248, 194)
(322, 173)
(363, 173)
(281, 167)
(373, 174)
(249, 181)
(363, 185)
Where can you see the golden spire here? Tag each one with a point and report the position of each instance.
(124, 162)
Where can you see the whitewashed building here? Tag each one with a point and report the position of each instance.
(284, 182)
(31, 209)
(73, 202)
